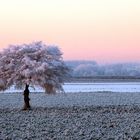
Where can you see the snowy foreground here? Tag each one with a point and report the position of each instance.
(71, 116)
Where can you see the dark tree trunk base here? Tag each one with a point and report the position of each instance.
(26, 109)
(26, 99)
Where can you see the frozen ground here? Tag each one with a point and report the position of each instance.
(71, 116)
(93, 87)
(15, 100)
(71, 123)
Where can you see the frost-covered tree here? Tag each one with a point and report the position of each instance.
(34, 64)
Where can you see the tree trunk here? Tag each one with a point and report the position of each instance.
(26, 98)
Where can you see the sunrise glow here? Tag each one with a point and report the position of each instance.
(102, 30)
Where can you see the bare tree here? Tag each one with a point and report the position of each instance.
(34, 64)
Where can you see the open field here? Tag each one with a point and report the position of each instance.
(87, 111)
(84, 87)
(15, 100)
(72, 116)
(71, 123)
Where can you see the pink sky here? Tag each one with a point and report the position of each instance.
(103, 30)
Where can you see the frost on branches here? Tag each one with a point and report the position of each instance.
(34, 64)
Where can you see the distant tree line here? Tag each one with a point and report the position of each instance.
(92, 69)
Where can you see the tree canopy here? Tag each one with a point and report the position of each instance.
(35, 64)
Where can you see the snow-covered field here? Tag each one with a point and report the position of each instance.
(95, 87)
(92, 87)
(71, 123)
(105, 111)
(15, 100)
(78, 94)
